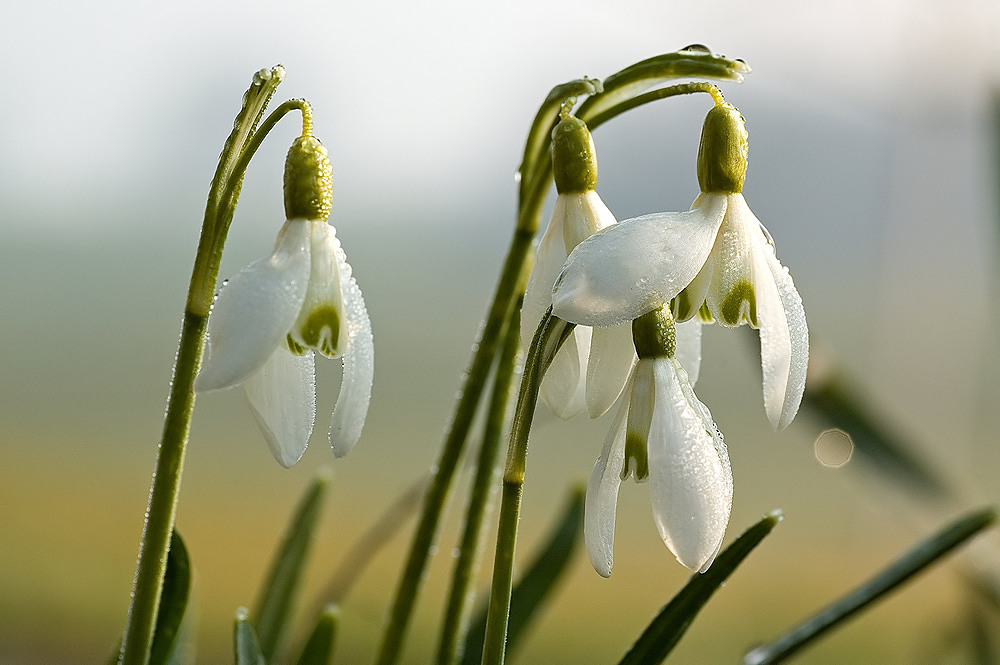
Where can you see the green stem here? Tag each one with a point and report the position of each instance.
(459, 599)
(597, 119)
(162, 507)
(549, 336)
(163, 495)
(511, 284)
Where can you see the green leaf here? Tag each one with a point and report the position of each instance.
(172, 615)
(537, 583)
(274, 605)
(245, 641)
(319, 647)
(844, 407)
(672, 622)
(923, 555)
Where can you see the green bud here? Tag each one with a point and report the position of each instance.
(574, 160)
(722, 155)
(308, 180)
(654, 335)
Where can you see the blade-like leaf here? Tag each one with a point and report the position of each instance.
(245, 641)
(672, 622)
(170, 618)
(173, 605)
(923, 555)
(274, 605)
(319, 647)
(537, 583)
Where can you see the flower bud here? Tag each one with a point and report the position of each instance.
(308, 180)
(722, 154)
(654, 334)
(574, 160)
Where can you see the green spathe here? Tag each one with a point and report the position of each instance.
(308, 180)
(722, 154)
(574, 159)
(654, 334)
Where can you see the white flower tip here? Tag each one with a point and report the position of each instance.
(602, 565)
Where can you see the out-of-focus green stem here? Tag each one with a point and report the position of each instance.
(456, 614)
(549, 336)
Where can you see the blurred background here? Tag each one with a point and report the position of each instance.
(873, 163)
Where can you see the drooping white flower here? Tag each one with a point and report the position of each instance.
(716, 258)
(664, 434)
(271, 318)
(591, 368)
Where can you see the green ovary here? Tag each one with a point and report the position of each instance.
(731, 308)
(320, 331)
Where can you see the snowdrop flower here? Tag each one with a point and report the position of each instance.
(716, 260)
(663, 434)
(266, 324)
(571, 383)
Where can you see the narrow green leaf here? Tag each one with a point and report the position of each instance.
(923, 555)
(245, 641)
(672, 622)
(842, 406)
(172, 612)
(537, 583)
(274, 605)
(320, 645)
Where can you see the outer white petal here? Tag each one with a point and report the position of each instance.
(359, 365)
(688, 352)
(630, 268)
(691, 481)
(282, 397)
(784, 337)
(602, 497)
(584, 215)
(564, 382)
(548, 262)
(612, 355)
(254, 313)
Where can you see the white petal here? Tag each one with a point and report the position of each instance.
(584, 214)
(359, 366)
(602, 497)
(688, 352)
(731, 295)
(564, 382)
(254, 313)
(549, 259)
(282, 397)
(691, 481)
(784, 341)
(320, 325)
(611, 357)
(630, 268)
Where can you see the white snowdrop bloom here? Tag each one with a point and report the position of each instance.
(590, 369)
(715, 259)
(267, 323)
(664, 434)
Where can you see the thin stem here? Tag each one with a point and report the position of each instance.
(597, 119)
(512, 280)
(163, 495)
(549, 336)
(460, 598)
(917, 559)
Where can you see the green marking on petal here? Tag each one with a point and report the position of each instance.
(705, 314)
(682, 306)
(293, 346)
(321, 330)
(731, 310)
(635, 457)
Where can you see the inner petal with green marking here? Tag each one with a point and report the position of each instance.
(319, 329)
(739, 306)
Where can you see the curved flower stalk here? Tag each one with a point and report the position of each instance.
(663, 434)
(573, 384)
(277, 311)
(716, 259)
